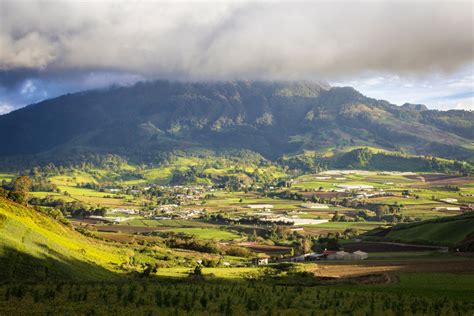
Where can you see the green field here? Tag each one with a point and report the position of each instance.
(442, 233)
(206, 233)
(6, 176)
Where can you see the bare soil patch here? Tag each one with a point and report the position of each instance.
(352, 269)
(265, 248)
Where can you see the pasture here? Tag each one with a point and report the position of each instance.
(206, 233)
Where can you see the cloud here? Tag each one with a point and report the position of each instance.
(236, 40)
(438, 91)
(5, 108)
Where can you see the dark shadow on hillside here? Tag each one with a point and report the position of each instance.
(17, 266)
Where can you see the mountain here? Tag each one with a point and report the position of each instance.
(272, 118)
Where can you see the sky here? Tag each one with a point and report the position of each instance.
(417, 51)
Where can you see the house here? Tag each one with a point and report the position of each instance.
(260, 261)
(449, 200)
(360, 255)
(314, 206)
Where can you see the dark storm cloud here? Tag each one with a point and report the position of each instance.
(227, 40)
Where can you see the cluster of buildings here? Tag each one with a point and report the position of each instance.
(313, 256)
(351, 187)
(123, 211)
(315, 206)
(170, 211)
(328, 255)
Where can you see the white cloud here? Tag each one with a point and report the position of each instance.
(437, 91)
(28, 87)
(5, 108)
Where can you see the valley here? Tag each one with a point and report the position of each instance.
(156, 225)
(237, 199)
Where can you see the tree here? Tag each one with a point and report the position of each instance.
(21, 190)
(381, 210)
(198, 270)
(3, 192)
(149, 269)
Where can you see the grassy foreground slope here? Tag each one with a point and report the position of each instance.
(34, 246)
(446, 231)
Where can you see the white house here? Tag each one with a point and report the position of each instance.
(260, 261)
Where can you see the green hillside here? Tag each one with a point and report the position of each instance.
(373, 158)
(34, 247)
(446, 231)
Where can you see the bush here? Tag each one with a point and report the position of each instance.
(238, 251)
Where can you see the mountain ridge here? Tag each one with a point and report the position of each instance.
(271, 118)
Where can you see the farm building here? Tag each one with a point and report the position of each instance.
(260, 261)
(447, 208)
(313, 256)
(360, 255)
(260, 206)
(338, 255)
(342, 255)
(449, 200)
(314, 206)
(354, 186)
(123, 211)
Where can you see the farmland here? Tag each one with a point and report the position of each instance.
(144, 241)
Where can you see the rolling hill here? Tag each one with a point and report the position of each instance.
(36, 247)
(454, 231)
(148, 119)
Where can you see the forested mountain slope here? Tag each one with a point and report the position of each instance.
(271, 118)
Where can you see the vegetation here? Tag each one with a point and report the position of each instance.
(446, 231)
